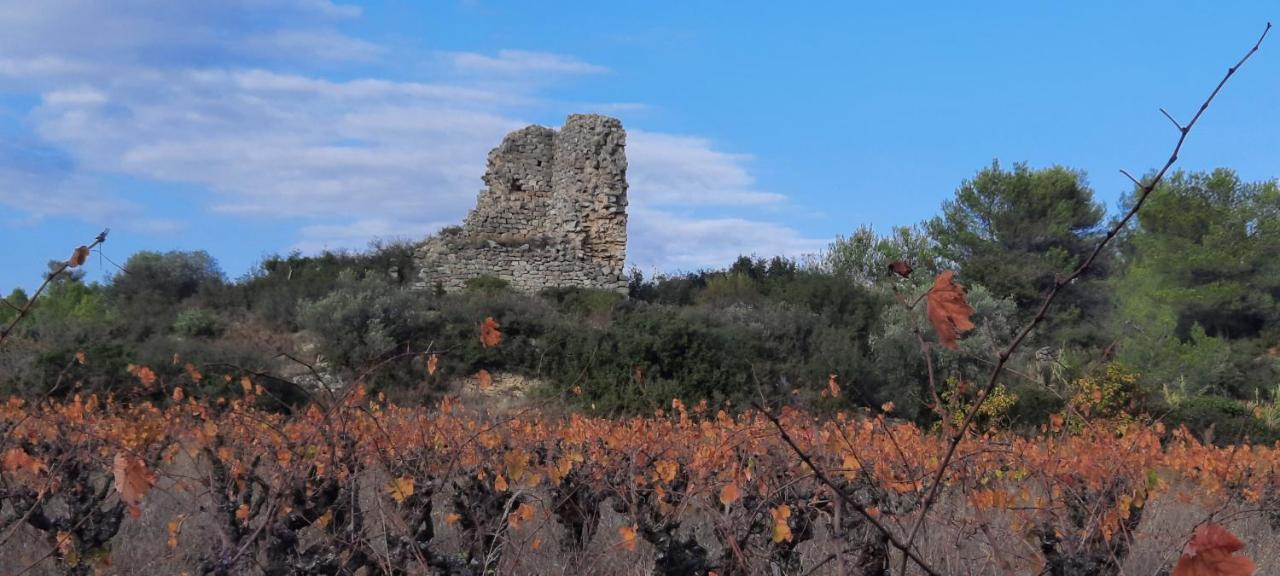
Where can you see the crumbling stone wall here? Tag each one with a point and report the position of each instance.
(553, 213)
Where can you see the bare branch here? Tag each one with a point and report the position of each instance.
(1004, 356)
(48, 279)
(1180, 127)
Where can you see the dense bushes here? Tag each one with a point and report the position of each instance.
(602, 349)
(1188, 302)
(273, 291)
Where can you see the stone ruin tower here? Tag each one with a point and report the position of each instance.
(553, 213)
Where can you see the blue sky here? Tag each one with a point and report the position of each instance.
(253, 127)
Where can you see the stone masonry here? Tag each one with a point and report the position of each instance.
(553, 213)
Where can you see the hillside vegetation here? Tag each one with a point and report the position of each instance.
(1180, 318)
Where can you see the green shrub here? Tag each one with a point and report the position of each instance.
(487, 284)
(197, 323)
(1229, 420)
(730, 289)
(274, 290)
(161, 280)
(592, 304)
(363, 321)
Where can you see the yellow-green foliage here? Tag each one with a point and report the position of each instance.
(959, 398)
(1107, 395)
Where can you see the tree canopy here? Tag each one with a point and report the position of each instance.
(1016, 231)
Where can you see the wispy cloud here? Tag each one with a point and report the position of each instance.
(522, 62)
(688, 170)
(176, 93)
(361, 233)
(322, 44)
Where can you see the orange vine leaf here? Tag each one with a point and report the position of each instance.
(175, 528)
(947, 309)
(133, 480)
(628, 535)
(16, 460)
(490, 336)
(78, 257)
(729, 494)
(400, 489)
(1211, 552)
(901, 268)
(781, 529)
(144, 375)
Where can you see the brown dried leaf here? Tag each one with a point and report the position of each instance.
(400, 489)
(1211, 552)
(947, 309)
(133, 481)
(175, 528)
(781, 529)
(490, 336)
(78, 257)
(16, 460)
(729, 494)
(146, 375)
(901, 268)
(627, 535)
(483, 379)
(521, 515)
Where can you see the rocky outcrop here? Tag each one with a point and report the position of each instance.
(553, 213)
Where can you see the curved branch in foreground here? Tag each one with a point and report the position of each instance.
(1145, 190)
(907, 548)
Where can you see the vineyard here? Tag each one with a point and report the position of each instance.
(714, 450)
(359, 485)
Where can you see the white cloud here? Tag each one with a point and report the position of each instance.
(360, 233)
(329, 8)
(668, 241)
(172, 34)
(74, 97)
(688, 170)
(323, 44)
(39, 66)
(522, 62)
(340, 161)
(38, 183)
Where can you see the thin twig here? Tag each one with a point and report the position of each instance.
(871, 518)
(1003, 358)
(47, 280)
